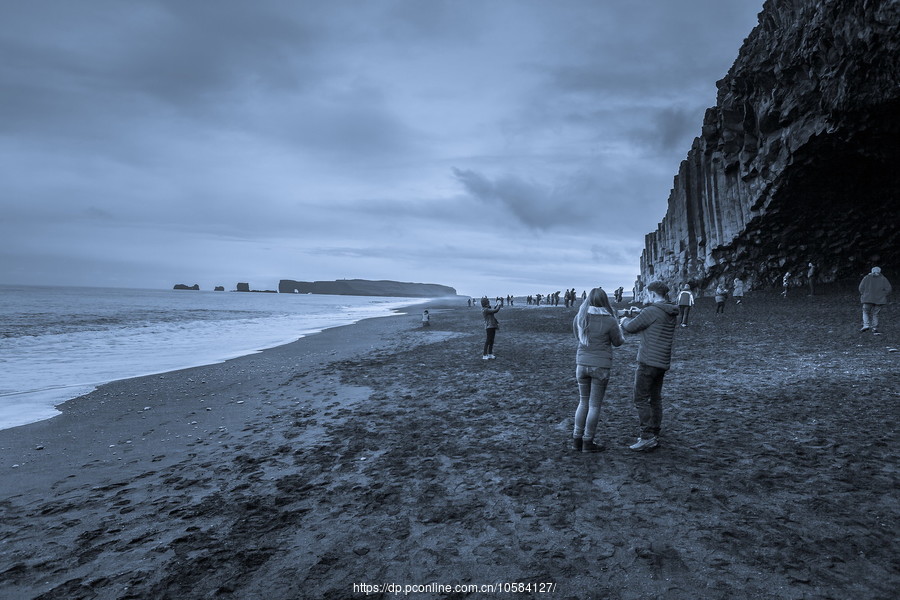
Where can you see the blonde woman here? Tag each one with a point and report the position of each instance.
(597, 330)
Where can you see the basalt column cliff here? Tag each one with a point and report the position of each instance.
(799, 160)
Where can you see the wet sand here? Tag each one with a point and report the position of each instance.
(384, 452)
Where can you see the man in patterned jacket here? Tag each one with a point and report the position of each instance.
(656, 324)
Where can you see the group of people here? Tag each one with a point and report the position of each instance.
(685, 299)
(551, 299)
(598, 328)
(509, 300)
(787, 279)
(722, 293)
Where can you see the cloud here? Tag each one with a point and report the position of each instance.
(669, 131)
(529, 202)
(394, 139)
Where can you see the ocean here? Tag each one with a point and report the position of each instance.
(60, 343)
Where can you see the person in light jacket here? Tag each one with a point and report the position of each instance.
(873, 293)
(685, 302)
(490, 327)
(656, 324)
(597, 330)
(738, 292)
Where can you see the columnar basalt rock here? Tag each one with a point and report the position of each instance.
(799, 161)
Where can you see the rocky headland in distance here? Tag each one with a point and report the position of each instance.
(365, 287)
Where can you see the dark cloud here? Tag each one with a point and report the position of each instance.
(531, 203)
(669, 131)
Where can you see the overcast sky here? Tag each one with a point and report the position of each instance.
(497, 146)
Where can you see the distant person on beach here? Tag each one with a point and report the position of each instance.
(721, 297)
(426, 319)
(597, 331)
(685, 302)
(873, 293)
(785, 284)
(490, 327)
(811, 277)
(738, 292)
(656, 324)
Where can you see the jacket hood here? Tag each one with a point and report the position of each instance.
(666, 307)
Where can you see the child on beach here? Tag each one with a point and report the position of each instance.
(597, 331)
(685, 302)
(721, 296)
(490, 327)
(426, 319)
(656, 324)
(785, 283)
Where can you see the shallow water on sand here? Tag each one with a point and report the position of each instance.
(59, 343)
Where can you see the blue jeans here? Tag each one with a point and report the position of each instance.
(592, 383)
(648, 398)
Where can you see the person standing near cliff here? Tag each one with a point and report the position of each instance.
(490, 327)
(785, 283)
(656, 324)
(597, 331)
(685, 302)
(738, 292)
(873, 294)
(811, 277)
(721, 297)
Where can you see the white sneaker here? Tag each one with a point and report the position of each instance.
(491, 356)
(485, 357)
(644, 444)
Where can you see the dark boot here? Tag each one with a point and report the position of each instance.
(592, 447)
(576, 444)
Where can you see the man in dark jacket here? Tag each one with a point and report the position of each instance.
(656, 324)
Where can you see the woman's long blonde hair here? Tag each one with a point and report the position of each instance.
(598, 298)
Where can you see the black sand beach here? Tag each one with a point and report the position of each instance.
(383, 452)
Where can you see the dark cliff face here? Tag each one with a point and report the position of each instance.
(799, 160)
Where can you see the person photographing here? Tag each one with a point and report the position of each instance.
(656, 325)
(491, 325)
